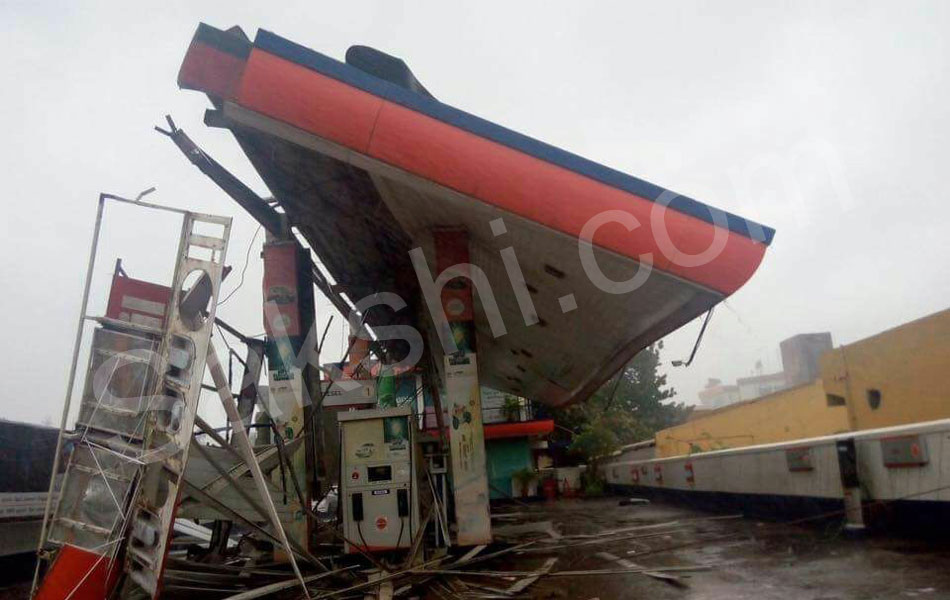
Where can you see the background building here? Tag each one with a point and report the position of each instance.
(800, 356)
(800, 365)
(757, 386)
(897, 377)
(716, 394)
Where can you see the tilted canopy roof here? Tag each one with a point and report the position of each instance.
(366, 163)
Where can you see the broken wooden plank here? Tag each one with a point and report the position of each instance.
(470, 558)
(520, 586)
(609, 532)
(490, 556)
(714, 518)
(503, 574)
(191, 588)
(628, 564)
(470, 554)
(387, 577)
(284, 585)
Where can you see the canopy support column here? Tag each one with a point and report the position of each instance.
(462, 392)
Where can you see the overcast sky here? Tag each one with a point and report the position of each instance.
(829, 123)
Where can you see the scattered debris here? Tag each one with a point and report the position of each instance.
(523, 584)
(283, 585)
(627, 564)
(460, 574)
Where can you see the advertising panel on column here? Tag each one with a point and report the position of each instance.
(288, 313)
(467, 442)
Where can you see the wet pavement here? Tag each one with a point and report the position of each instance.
(747, 558)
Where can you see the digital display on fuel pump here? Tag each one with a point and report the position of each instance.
(380, 473)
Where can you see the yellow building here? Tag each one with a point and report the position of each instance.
(896, 377)
(791, 414)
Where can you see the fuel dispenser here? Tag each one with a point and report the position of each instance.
(377, 478)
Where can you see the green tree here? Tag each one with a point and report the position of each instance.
(632, 406)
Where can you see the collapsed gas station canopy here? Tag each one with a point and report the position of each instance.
(367, 164)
